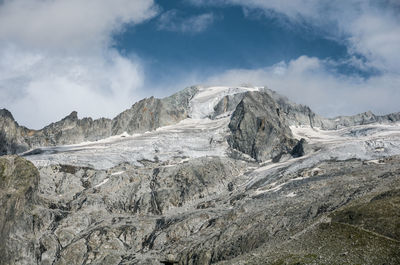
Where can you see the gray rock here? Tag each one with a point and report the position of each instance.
(301, 115)
(299, 149)
(70, 130)
(18, 186)
(227, 104)
(145, 115)
(320, 208)
(11, 134)
(203, 212)
(258, 129)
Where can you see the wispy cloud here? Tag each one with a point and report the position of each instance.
(173, 21)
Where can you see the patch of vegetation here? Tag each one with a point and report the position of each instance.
(71, 169)
(380, 215)
(292, 259)
(24, 177)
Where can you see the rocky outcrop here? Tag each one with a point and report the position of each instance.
(152, 113)
(11, 134)
(70, 130)
(227, 104)
(205, 212)
(123, 215)
(364, 119)
(258, 129)
(19, 181)
(194, 204)
(209, 210)
(301, 115)
(145, 115)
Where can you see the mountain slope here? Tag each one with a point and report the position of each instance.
(214, 175)
(145, 115)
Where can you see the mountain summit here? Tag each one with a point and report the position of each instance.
(209, 175)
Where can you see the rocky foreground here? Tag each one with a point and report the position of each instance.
(207, 176)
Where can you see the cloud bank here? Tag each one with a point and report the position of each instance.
(310, 81)
(369, 29)
(56, 56)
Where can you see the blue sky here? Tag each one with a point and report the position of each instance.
(230, 40)
(100, 56)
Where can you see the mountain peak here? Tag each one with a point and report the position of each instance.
(6, 113)
(72, 116)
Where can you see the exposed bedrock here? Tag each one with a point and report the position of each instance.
(302, 115)
(19, 181)
(11, 134)
(258, 129)
(152, 113)
(145, 115)
(200, 212)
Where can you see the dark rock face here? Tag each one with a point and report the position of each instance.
(258, 129)
(299, 149)
(11, 134)
(19, 181)
(296, 114)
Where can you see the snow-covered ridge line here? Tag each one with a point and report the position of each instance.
(203, 103)
(360, 132)
(200, 136)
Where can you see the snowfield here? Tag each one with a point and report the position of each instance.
(200, 136)
(189, 138)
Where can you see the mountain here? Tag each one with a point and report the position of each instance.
(147, 114)
(209, 175)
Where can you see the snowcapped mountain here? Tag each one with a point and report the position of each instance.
(227, 175)
(197, 122)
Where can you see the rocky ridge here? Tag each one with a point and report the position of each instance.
(145, 115)
(225, 176)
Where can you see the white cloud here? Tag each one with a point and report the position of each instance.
(377, 36)
(309, 81)
(55, 57)
(368, 28)
(68, 24)
(172, 21)
(40, 88)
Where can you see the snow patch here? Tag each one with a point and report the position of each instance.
(203, 103)
(102, 183)
(291, 195)
(376, 161)
(117, 173)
